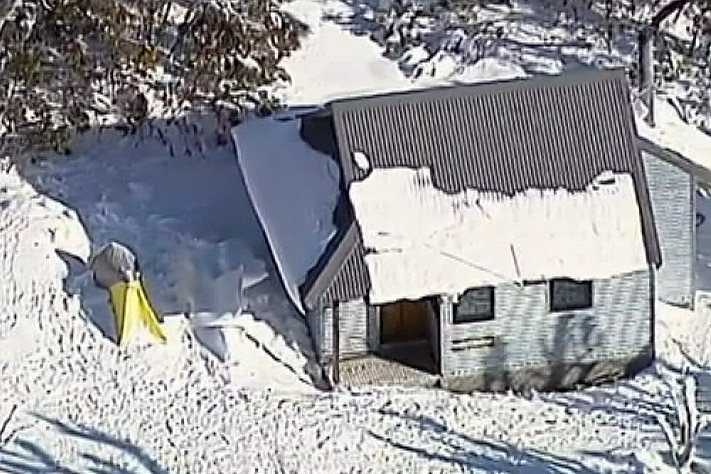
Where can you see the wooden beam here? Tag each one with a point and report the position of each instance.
(336, 341)
(645, 47)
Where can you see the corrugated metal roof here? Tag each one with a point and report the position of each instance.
(549, 132)
(341, 274)
(352, 281)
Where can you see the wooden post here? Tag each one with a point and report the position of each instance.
(336, 341)
(646, 71)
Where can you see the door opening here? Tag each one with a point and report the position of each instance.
(409, 334)
(404, 321)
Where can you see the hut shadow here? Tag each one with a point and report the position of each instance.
(159, 206)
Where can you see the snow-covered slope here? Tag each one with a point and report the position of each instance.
(35, 233)
(334, 62)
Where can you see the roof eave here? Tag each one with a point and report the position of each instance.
(332, 260)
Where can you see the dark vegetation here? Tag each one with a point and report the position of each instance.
(68, 65)
(660, 56)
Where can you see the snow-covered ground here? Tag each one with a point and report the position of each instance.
(82, 404)
(242, 399)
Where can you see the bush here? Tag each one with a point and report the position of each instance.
(67, 65)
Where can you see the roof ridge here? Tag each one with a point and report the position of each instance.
(538, 81)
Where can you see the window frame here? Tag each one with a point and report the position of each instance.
(587, 285)
(475, 317)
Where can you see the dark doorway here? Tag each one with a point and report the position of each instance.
(409, 334)
(404, 321)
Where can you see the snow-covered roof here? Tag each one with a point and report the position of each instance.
(422, 241)
(510, 138)
(672, 133)
(294, 190)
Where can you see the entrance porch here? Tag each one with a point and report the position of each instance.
(404, 347)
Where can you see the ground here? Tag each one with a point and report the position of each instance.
(243, 399)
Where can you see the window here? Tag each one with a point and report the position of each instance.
(476, 304)
(567, 294)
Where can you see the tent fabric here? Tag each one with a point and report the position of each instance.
(113, 263)
(132, 310)
(116, 269)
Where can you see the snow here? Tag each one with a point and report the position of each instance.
(361, 160)
(190, 223)
(414, 56)
(333, 62)
(685, 333)
(491, 69)
(34, 230)
(671, 132)
(336, 61)
(446, 243)
(294, 189)
(444, 67)
(233, 392)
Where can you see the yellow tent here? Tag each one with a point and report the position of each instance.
(132, 310)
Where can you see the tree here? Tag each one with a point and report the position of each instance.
(67, 65)
(645, 47)
(682, 434)
(647, 18)
(401, 27)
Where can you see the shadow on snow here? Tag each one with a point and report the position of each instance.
(175, 195)
(26, 457)
(439, 444)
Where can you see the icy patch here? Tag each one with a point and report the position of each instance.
(294, 190)
(447, 243)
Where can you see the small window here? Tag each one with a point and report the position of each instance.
(476, 304)
(568, 295)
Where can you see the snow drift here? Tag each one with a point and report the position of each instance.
(294, 190)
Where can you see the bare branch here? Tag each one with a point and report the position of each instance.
(667, 11)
